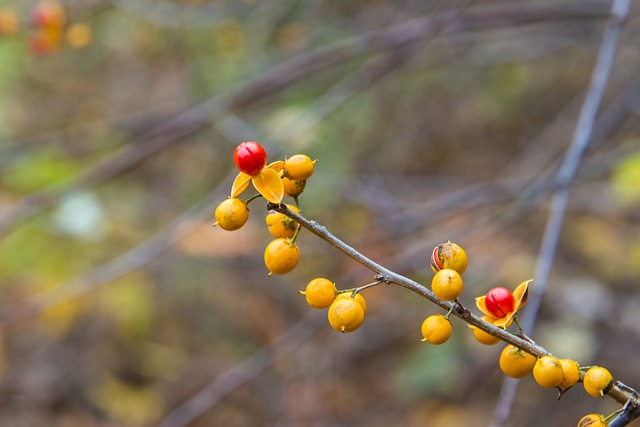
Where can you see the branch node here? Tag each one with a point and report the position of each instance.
(278, 207)
(382, 278)
(628, 389)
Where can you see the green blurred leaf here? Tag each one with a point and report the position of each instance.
(625, 180)
(30, 252)
(132, 405)
(38, 170)
(12, 55)
(429, 369)
(129, 303)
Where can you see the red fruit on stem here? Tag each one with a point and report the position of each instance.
(250, 157)
(499, 302)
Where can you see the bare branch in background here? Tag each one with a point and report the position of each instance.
(281, 76)
(580, 141)
(243, 372)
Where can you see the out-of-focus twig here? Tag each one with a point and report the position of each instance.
(566, 173)
(152, 247)
(184, 124)
(109, 271)
(243, 372)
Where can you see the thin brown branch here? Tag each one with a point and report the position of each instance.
(385, 275)
(630, 411)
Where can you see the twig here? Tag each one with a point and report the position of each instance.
(385, 275)
(566, 173)
(630, 411)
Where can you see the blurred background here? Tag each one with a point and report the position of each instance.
(432, 120)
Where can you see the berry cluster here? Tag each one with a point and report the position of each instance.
(48, 27)
(448, 261)
(500, 307)
(273, 182)
(347, 308)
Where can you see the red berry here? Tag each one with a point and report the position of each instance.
(250, 157)
(499, 302)
(48, 13)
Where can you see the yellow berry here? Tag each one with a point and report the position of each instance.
(593, 420)
(483, 337)
(231, 214)
(281, 256)
(447, 284)
(9, 22)
(358, 298)
(436, 329)
(516, 363)
(449, 255)
(345, 314)
(571, 372)
(78, 35)
(281, 225)
(299, 167)
(597, 381)
(548, 372)
(320, 292)
(293, 188)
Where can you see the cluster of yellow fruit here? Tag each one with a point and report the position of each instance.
(500, 306)
(347, 308)
(273, 182)
(48, 27)
(449, 262)
(551, 372)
